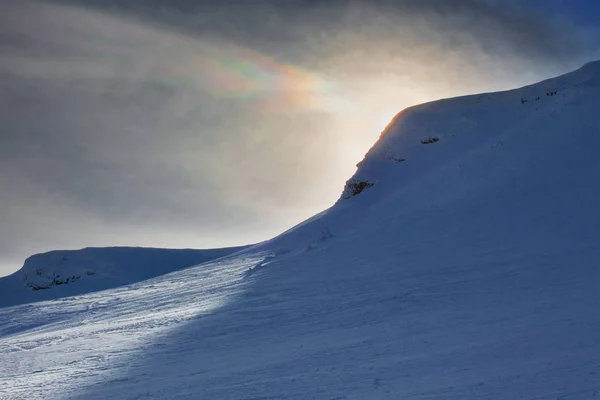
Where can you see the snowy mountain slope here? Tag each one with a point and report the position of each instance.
(470, 270)
(465, 127)
(71, 272)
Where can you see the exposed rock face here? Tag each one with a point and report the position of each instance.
(354, 188)
(430, 140)
(46, 280)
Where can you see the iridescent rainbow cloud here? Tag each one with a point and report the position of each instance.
(108, 46)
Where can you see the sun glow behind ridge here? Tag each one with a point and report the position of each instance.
(385, 119)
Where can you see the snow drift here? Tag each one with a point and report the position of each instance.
(461, 262)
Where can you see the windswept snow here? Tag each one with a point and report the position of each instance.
(51, 349)
(470, 270)
(65, 273)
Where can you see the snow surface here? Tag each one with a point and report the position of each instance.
(65, 273)
(470, 270)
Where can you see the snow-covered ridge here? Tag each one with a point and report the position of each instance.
(439, 130)
(70, 272)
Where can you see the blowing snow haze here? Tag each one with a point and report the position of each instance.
(209, 124)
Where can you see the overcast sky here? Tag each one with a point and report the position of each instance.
(206, 124)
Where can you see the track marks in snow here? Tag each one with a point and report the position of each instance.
(62, 345)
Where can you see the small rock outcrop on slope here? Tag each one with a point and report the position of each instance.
(354, 187)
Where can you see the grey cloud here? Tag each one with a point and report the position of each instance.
(494, 25)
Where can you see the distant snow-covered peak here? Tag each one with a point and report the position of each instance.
(63, 273)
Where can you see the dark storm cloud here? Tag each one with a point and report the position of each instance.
(493, 24)
(119, 126)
